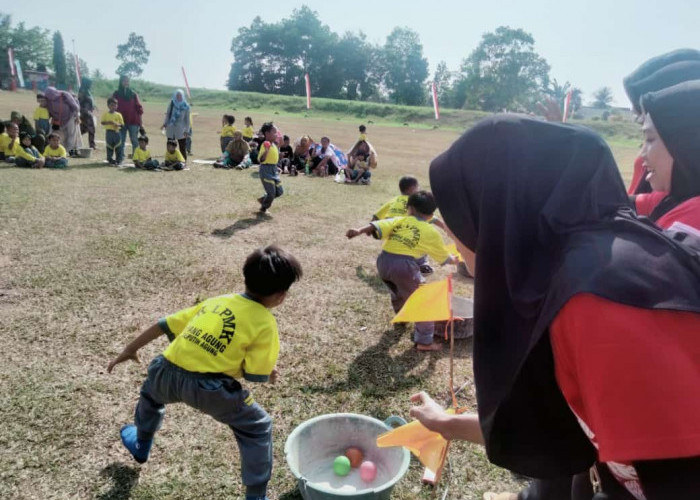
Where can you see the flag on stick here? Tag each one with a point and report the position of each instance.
(431, 302)
(567, 105)
(11, 57)
(187, 85)
(308, 91)
(77, 69)
(435, 101)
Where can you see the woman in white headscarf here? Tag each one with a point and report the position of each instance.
(177, 121)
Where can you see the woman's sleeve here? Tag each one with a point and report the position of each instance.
(71, 102)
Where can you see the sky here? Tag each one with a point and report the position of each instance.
(590, 43)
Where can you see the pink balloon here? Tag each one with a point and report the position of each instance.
(368, 471)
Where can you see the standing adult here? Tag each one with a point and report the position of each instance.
(177, 121)
(87, 107)
(64, 111)
(129, 105)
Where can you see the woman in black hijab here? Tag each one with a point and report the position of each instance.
(586, 321)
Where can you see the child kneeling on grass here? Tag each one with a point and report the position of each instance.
(173, 157)
(406, 239)
(213, 344)
(55, 155)
(142, 156)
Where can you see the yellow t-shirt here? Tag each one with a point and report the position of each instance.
(141, 155)
(228, 131)
(248, 132)
(395, 207)
(41, 114)
(273, 156)
(173, 157)
(19, 152)
(4, 142)
(411, 236)
(230, 334)
(363, 137)
(112, 117)
(60, 151)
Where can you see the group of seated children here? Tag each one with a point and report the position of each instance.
(17, 148)
(239, 148)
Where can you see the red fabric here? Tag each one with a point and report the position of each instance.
(637, 175)
(131, 110)
(646, 203)
(687, 212)
(631, 376)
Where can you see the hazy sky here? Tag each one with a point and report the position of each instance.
(591, 43)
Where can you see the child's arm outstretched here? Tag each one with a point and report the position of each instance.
(368, 229)
(130, 351)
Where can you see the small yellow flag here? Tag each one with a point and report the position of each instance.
(430, 302)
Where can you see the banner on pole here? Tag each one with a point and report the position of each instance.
(187, 85)
(11, 57)
(435, 101)
(77, 70)
(308, 91)
(20, 75)
(567, 105)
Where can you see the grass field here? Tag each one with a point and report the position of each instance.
(91, 256)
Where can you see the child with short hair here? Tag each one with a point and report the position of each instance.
(269, 157)
(227, 130)
(248, 131)
(42, 121)
(286, 154)
(142, 156)
(113, 121)
(213, 345)
(25, 155)
(4, 141)
(363, 133)
(55, 155)
(405, 240)
(173, 157)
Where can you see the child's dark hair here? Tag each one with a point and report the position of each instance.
(40, 95)
(52, 135)
(407, 182)
(249, 120)
(171, 142)
(363, 129)
(230, 119)
(267, 126)
(423, 202)
(111, 100)
(285, 138)
(270, 270)
(144, 138)
(23, 136)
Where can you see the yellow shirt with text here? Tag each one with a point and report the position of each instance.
(395, 207)
(411, 236)
(174, 156)
(112, 117)
(228, 131)
(230, 334)
(141, 155)
(59, 152)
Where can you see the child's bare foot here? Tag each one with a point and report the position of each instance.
(429, 347)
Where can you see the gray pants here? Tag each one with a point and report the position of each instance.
(220, 397)
(401, 274)
(271, 183)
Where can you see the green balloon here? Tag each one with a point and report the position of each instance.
(341, 465)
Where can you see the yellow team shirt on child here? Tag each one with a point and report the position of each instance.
(228, 131)
(230, 334)
(273, 156)
(175, 156)
(411, 236)
(248, 132)
(41, 114)
(19, 152)
(141, 155)
(59, 152)
(112, 117)
(395, 207)
(4, 143)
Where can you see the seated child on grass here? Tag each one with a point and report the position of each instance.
(405, 240)
(358, 172)
(248, 130)
(42, 122)
(142, 156)
(25, 155)
(55, 155)
(213, 346)
(236, 152)
(254, 150)
(113, 121)
(227, 130)
(286, 154)
(173, 157)
(4, 141)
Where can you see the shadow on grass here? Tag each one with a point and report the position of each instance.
(372, 280)
(239, 225)
(123, 477)
(255, 174)
(291, 495)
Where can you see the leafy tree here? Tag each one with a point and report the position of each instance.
(559, 92)
(603, 97)
(357, 61)
(98, 75)
(31, 46)
(406, 68)
(59, 60)
(133, 56)
(444, 82)
(84, 70)
(503, 72)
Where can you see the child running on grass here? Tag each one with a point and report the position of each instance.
(269, 175)
(113, 121)
(55, 155)
(213, 345)
(405, 240)
(173, 157)
(142, 156)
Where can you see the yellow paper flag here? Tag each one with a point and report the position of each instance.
(430, 302)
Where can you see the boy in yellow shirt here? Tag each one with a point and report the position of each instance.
(405, 240)
(113, 121)
(227, 130)
(42, 121)
(213, 345)
(55, 155)
(142, 156)
(173, 157)
(269, 156)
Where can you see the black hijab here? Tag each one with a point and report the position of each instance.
(675, 112)
(635, 92)
(545, 209)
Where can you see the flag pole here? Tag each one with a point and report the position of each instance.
(308, 91)
(187, 85)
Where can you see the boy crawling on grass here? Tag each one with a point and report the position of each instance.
(213, 345)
